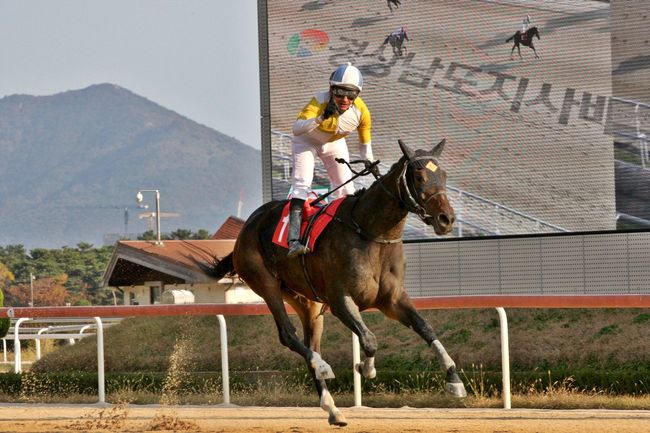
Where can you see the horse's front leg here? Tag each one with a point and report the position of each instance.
(348, 313)
(404, 311)
(534, 51)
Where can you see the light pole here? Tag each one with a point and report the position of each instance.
(31, 288)
(139, 198)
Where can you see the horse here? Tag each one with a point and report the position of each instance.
(396, 40)
(358, 264)
(393, 2)
(528, 41)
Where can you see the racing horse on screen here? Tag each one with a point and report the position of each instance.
(357, 264)
(527, 41)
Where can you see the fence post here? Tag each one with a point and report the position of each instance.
(100, 360)
(18, 367)
(356, 359)
(505, 357)
(225, 376)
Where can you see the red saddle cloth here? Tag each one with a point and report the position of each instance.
(282, 229)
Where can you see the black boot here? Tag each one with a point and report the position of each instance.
(295, 220)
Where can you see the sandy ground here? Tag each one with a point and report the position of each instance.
(67, 418)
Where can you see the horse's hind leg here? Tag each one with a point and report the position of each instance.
(348, 313)
(404, 311)
(311, 317)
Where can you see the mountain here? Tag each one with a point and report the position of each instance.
(73, 162)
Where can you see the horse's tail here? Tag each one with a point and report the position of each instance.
(221, 268)
(386, 40)
(511, 37)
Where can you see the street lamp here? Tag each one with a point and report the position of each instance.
(139, 198)
(31, 288)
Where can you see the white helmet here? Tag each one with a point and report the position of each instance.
(347, 76)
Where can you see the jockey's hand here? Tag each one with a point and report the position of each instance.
(330, 110)
(372, 167)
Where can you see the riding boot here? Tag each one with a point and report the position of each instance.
(295, 221)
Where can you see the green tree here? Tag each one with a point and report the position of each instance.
(83, 266)
(178, 234)
(6, 277)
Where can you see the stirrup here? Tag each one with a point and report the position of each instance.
(296, 249)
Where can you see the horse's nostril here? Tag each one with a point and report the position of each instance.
(443, 220)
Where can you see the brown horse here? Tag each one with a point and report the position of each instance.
(527, 42)
(358, 264)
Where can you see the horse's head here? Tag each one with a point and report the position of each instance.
(425, 183)
(534, 32)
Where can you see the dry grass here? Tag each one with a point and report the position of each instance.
(171, 423)
(538, 338)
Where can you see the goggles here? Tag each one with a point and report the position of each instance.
(340, 92)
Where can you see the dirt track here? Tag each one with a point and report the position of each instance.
(67, 418)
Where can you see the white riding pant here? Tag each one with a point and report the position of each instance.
(304, 160)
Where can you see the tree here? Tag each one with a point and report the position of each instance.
(48, 291)
(6, 276)
(178, 234)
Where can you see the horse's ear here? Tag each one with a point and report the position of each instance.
(406, 150)
(437, 150)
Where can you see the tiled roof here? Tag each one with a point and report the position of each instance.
(182, 260)
(187, 253)
(229, 229)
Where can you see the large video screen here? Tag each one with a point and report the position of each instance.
(543, 140)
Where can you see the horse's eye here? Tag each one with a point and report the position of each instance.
(419, 178)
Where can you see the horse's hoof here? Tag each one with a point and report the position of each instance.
(324, 372)
(456, 389)
(322, 369)
(337, 419)
(367, 374)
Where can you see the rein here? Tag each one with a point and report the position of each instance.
(367, 170)
(407, 200)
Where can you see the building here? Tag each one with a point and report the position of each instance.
(175, 272)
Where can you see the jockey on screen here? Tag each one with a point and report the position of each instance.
(525, 25)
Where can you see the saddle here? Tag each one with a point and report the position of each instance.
(315, 217)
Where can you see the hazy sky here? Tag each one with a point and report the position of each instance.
(198, 58)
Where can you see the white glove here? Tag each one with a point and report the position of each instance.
(365, 151)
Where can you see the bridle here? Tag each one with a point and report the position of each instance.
(406, 196)
(409, 200)
(405, 190)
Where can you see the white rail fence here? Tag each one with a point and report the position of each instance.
(499, 302)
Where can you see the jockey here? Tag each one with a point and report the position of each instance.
(320, 130)
(399, 33)
(525, 25)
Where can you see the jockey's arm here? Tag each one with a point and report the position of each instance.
(307, 119)
(365, 143)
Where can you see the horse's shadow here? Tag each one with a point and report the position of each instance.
(312, 6)
(365, 22)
